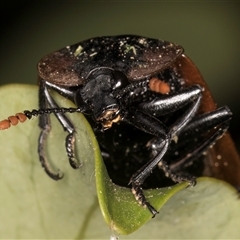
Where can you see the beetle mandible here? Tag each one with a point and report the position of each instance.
(132, 81)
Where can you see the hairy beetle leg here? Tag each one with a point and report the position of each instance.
(176, 177)
(70, 140)
(139, 196)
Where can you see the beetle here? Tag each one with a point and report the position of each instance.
(137, 96)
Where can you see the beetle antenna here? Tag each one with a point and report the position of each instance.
(23, 116)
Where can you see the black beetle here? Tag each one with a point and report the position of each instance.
(132, 85)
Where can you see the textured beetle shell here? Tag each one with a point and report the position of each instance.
(137, 57)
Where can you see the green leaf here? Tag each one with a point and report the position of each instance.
(210, 210)
(34, 206)
(119, 207)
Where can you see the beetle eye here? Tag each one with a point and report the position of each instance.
(119, 80)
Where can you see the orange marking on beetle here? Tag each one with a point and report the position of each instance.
(159, 86)
(12, 121)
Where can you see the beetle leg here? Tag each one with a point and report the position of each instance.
(156, 146)
(206, 122)
(178, 178)
(45, 125)
(63, 91)
(177, 127)
(153, 126)
(166, 104)
(219, 119)
(67, 126)
(186, 116)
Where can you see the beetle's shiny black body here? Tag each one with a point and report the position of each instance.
(140, 124)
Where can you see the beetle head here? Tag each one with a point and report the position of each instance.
(98, 95)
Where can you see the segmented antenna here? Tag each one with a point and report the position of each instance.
(12, 121)
(22, 117)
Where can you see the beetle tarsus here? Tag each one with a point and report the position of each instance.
(140, 197)
(176, 177)
(70, 139)
(42, 158)
(55, 176)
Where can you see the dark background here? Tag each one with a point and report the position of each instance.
(209, 32)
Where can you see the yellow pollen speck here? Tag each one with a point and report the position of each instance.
(78, 51)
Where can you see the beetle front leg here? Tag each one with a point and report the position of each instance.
(152, 126)
(139, 177)
(166, 104)
(190, 96)
(44, 123)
